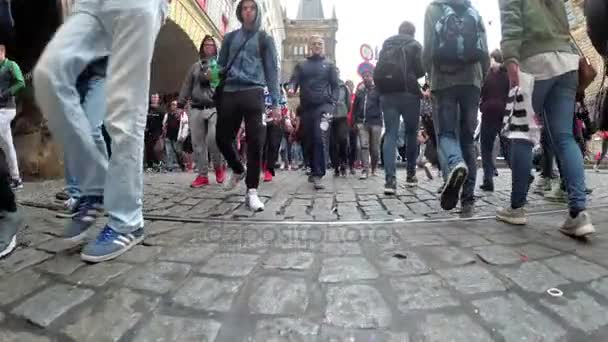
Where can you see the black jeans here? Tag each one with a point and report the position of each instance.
(234, 107)
(339, 143)
(311, 119)
(7, 196)
(353, 154)
(274, 134)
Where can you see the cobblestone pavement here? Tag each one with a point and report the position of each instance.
(291, 197)
(231, 281)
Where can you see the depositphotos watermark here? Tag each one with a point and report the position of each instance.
(251, 236)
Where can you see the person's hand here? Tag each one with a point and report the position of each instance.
(290, 92)
(513, 73)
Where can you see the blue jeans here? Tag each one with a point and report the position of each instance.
(490, 129)
(125, 30)
(311, 119)
(92, 96)
(395, 106)
(456, 119)
(555, 98)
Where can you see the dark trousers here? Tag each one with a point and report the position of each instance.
(287, 152)
(7, 197)
(339, 143)
(490, 128)
(272, 144)
(234, 107)
(311, 119)
(151, 156)
(352, 147)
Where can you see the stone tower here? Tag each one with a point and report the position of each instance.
(309, 21)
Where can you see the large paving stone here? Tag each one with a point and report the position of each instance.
(599, 286)
(471, 280)
(110, 318)
(10, 336)
(497, 255)
(357, 306)
(580, 310)
(168, 329)
(160, 277)
(193, 254)
(576, 269)
(22, 258)
(422, 239)
(207, 294)
(506, 238)
(20, 285)
(464, 239)
(517, 321)
(274, 295)
(534, 251)
(401, 263)
(339, 269)
(344, 248)
(448, 256)
(230, 265)
(286, 329)
(297, 261)
(453, 328)
(140, 254)
(534, 277)
(58, 245)
(61, 265)
(424, 292)
(98, 274)
(43, 308)
(333, 334)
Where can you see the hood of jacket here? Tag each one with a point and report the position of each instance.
(201, 48)
(258, 14)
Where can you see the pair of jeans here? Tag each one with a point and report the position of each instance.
(339, 142)
(272, 143)
(455, 121)
(354, 150)
(125, 30)
(173, 152)
(370, 136)
(92, 97)
(286, 150)
(203, 124)
(396, 106)
(555, 99)
(490, 129)
(6, 140)
(7, 196)
(314, 141)
(236, 106)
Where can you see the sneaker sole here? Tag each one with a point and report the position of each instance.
(583, 231)
(428, 173)
(451, 192)
(390, 191)
(10, 248)
(77, 238)
(65, 215)
(97, 259)
(259, 210)
(411, 185)
(520, 221)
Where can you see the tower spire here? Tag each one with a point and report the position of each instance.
(310, 10)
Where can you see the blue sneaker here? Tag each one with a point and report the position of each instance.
(89, 208)
(110, 244)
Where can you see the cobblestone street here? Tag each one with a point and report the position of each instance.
(345, 264)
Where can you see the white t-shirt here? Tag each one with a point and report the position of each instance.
(548, 65)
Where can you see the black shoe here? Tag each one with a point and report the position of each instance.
(337, 173)
(318, 183)
(467, 209)
(311, 179)
(343, 171)
(390, 187)
(489, 187)
(411, 181)
(451, 192)
(353, 172)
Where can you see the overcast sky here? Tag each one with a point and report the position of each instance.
(364, 21)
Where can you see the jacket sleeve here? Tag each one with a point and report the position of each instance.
(271, 70)
(334, 84)
(224, 54)
(294, 82)
(485, 58)
(418, 67)
(357, 114)
(512, 29)
(429, 39)
(186, 91)
(18, 81)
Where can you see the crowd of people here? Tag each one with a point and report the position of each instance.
(232, 113)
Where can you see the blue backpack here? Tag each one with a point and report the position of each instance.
(458, 40)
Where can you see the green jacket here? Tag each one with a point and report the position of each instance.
(473, 74)
(11, 82)
(532, 27)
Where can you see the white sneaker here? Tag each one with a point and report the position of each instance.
(253, 202)
(578, 227)
(596, 168)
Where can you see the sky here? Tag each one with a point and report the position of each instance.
(371, 22)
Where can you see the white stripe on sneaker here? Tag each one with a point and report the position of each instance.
(124, 239)
(118, 242)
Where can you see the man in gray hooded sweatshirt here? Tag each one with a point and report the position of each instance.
(249, 59)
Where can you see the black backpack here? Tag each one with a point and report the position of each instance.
(596, 13)
(458, 38)
(391, 70)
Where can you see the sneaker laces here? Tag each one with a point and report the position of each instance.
(106, 235)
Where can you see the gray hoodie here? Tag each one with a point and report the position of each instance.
(250, 70)
(196, 87)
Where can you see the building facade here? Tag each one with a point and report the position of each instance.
(309, 21)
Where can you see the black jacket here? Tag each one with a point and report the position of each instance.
(317, 79)
(413, 53)
(366, 108)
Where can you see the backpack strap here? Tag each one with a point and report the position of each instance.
(262, 37)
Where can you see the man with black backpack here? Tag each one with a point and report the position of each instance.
(317, 79)
(249, 61)
(456, 58)
(396, 76)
